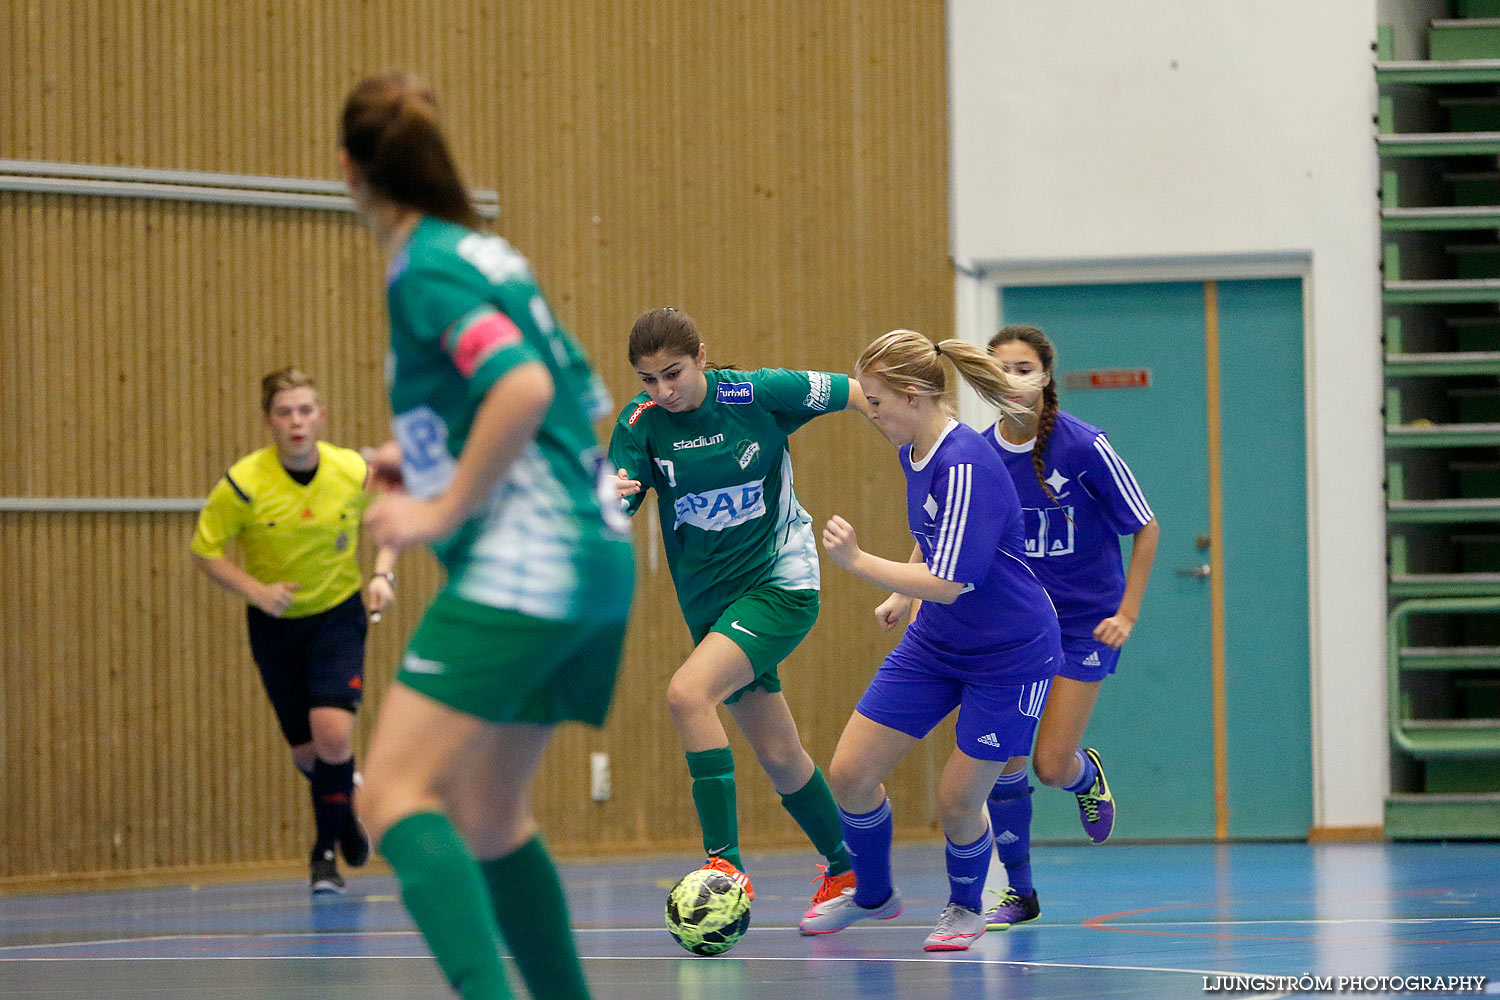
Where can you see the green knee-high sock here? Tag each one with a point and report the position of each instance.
(813, 808)
(713, 794)
(533, 916)
(446, 896)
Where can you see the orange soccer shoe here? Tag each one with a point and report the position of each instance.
(829, 886)
(718, 864)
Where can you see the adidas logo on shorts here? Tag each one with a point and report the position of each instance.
(990, 740)
(1092, 660)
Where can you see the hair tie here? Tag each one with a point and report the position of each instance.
(938, 348)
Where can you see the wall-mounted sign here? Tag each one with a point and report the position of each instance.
(1109, 378)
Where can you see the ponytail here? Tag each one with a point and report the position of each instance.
(390, 130)
(910, 362)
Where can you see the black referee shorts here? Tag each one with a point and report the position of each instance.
(312, 662)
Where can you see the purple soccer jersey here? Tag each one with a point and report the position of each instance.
(1074, 543)
(964, 513)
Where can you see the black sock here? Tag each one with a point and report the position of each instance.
(332, 796)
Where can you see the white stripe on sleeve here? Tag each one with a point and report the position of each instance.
(955, 520)
(940, 546)
(1124, 481)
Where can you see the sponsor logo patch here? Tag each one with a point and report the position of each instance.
(819, 389)
(715, 510)
(746, 451)
(639, 410)
(701, 441)
(736, 392)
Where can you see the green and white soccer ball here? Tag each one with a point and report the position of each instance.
(708, 912)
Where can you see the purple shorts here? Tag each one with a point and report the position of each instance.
(1087, 659)
(917, 686)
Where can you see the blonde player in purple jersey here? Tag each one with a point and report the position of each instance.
(1078, 497)
(985, 640)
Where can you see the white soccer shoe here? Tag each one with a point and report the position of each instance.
(833, 915)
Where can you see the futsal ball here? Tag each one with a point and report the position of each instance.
(708, 912)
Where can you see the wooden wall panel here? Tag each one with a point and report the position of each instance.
(778, 169)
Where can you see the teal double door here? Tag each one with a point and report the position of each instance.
(1205, 729)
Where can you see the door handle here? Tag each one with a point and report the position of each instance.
(1201, 572)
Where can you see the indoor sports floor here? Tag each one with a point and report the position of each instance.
(1117, 921)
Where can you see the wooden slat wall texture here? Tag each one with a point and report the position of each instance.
(778, 169)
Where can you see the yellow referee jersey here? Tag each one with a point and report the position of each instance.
(305, 535)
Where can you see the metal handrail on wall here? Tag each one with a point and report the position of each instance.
(100, 505)
(49, 177)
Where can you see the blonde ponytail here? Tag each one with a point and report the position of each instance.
(910, 362)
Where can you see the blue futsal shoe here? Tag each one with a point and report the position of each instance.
(1096, 807)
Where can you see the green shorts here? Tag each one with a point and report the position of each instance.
(503, 666)
(767, 624)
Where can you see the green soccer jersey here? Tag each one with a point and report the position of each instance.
(465, 310)
(723, 479)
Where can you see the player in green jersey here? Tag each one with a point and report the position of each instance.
(503, 477)
(713, 444)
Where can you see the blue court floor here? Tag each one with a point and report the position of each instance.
(1117, 921)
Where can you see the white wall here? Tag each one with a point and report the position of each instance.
(1117, 139)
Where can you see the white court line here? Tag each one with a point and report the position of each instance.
(935, 960)
(302, 935)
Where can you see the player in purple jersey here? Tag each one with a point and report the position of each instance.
(985, 640)
(1078, 498)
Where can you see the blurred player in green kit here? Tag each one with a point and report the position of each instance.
(503, 477)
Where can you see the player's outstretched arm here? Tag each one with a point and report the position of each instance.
(909, 579)
(857, 399)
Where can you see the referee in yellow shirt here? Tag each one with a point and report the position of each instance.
(295, 510)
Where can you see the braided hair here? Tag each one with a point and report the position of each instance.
(1037, 340)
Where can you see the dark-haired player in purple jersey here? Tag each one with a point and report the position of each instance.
(985, 641)
(1078, 498)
